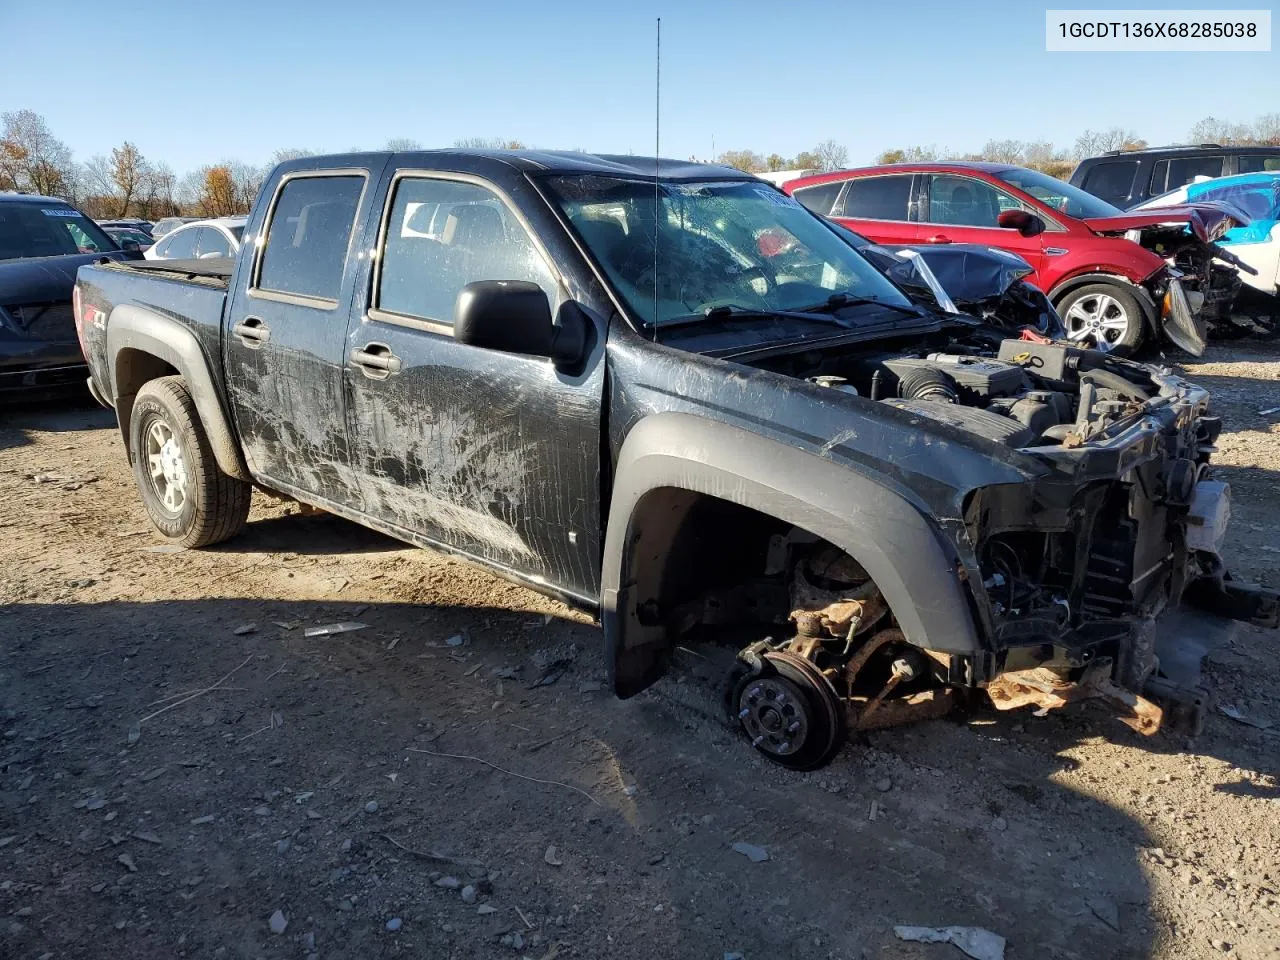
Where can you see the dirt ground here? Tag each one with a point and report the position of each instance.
(178, 762)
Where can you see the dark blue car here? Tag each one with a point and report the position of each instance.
(43, 241)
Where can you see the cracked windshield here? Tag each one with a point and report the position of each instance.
(738, 245)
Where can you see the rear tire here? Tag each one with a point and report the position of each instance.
(186, 496)
(1104, 316)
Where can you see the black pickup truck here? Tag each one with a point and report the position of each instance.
(671, 396)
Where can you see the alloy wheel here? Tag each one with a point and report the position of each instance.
(1097, 317)
(166, 466)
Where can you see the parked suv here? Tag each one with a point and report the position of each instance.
(1112, 292)
(1126, 178)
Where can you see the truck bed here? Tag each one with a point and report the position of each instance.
(216, 271)
(191, 291)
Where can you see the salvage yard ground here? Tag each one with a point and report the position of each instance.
(185, 773)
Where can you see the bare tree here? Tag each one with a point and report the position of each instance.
(188, 190)
(1003, 151)
(290, 153)
(831, 155)
(400, 144)
(32, 159)
(775, 161)
(160, 189)
(1266, 129)
(488, 143)
(909, 155)
(1037, 153)
(246, 181)
(1093, 142)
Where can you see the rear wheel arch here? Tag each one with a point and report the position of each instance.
(663, 501)
(143, 346)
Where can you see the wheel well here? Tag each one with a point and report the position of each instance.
(693, 559)
(685, 543)
(133, 369)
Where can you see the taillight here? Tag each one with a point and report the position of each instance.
(77, 315)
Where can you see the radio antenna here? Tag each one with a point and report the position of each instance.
(657, 152)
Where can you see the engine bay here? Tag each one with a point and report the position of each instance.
(1021, 393)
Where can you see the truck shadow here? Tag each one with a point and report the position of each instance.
(66, 415)
(120, 732)
(308, 534)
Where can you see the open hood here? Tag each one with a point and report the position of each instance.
(1208, 221)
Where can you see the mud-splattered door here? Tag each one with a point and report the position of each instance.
(494, 454)
(286, 337)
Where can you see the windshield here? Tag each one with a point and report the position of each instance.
(736, 244)
(1060, 196)
(48, 230)
(237, 232)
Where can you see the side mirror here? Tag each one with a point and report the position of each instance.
(130, 245)
(1027, 224)
(514, 316)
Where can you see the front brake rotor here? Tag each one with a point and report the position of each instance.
(791, 712)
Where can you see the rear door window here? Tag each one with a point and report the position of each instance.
(179, 245)
(1111, 181)
(442, 235)
(1261, 163)
(819, 199)
(308, 235)
(213, 243)
(877, 198)
(1176, 172)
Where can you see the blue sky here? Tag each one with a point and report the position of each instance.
(236, 79)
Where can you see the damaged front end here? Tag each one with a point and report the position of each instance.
(1082, 578)
(1085, 575)
(1185, 237)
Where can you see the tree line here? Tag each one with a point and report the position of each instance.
(1060, 161)
(124, 183)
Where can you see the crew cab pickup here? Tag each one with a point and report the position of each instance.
(670, 395)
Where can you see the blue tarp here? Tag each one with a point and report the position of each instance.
(1257, 194)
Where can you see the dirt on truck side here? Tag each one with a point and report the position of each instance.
(185, 772)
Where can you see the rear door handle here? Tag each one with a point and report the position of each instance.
(938, 238)
(376, 361)
(252, 332)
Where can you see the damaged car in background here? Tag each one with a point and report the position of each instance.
(984, 282)
(1118, 279)
(1255, 199)
(673, 397)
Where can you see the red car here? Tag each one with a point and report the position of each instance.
(1111, 291)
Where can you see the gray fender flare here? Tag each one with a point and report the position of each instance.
(132, 328)
(1150, 310)
(893, 540)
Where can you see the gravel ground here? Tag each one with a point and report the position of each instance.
(184, 773)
